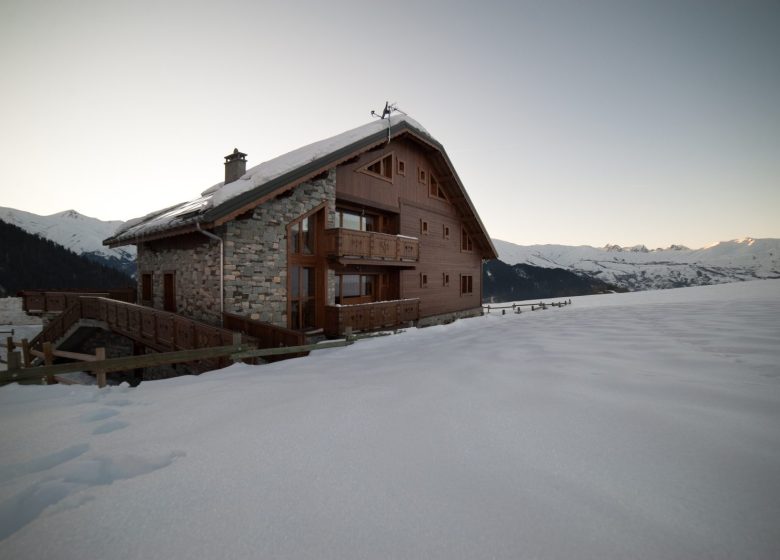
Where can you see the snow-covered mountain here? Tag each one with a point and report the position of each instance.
(79, 233)
(639, 268)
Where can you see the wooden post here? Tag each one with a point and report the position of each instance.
(138, 349)
(236, 342)
(100, 355)
(26, 356)
(48, 359)
(14, 360)
(9, 343)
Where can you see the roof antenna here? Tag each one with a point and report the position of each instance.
(389, 109)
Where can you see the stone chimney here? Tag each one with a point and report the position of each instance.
(235, 166)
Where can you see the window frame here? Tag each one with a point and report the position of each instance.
(433, 183)
(466, 243)
(422, 176)
(383, 165)
(466, 284)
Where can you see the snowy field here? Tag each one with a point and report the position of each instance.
(640, 425)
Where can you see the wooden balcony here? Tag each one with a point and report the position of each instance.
(372, 246)
(370, 316)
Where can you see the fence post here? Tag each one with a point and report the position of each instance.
(14, 360)
(48, 359)
(9, 343)
(100, 355)
(26, 356)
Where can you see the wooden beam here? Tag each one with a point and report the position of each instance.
(100, 356)
(75, 356)
(262, 352)
(48, 359)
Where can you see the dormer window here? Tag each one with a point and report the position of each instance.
(381, 168)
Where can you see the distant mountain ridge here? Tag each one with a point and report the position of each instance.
(79, 233)
(639, 268)
(502, 282)
(29, 261)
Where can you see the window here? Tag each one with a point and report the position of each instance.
(355, 288)
(349, 219)
(423, 280)
(146, 287)
(466, 284)
(435, 190)
(304, 281)
(445, 231)
(302, 236)
(382, 168)
(423, 227)
(421, 176)
(302, 291)
(445, 279)
(401, 167)
(465, 241)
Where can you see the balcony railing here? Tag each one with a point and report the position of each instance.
(370, 316)
(40, 301)
(371, 245)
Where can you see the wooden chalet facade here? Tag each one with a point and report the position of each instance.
(368, 229)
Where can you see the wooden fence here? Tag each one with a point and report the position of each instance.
(100, 365)
(515, 307)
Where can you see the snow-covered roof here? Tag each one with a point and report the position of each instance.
(221, 199)
(258, 176)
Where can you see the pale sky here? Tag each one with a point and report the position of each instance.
(578, 122)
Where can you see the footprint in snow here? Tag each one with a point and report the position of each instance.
(63, 491)
(7, 472)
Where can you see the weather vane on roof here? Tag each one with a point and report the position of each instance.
(389, 109)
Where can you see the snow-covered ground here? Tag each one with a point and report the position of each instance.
(639, 425)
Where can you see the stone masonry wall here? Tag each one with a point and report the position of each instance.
(255, 268)
(256, 251)
(197, 276)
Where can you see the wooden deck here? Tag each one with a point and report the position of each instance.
(162, 331)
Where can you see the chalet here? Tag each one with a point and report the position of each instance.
(370, 228)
